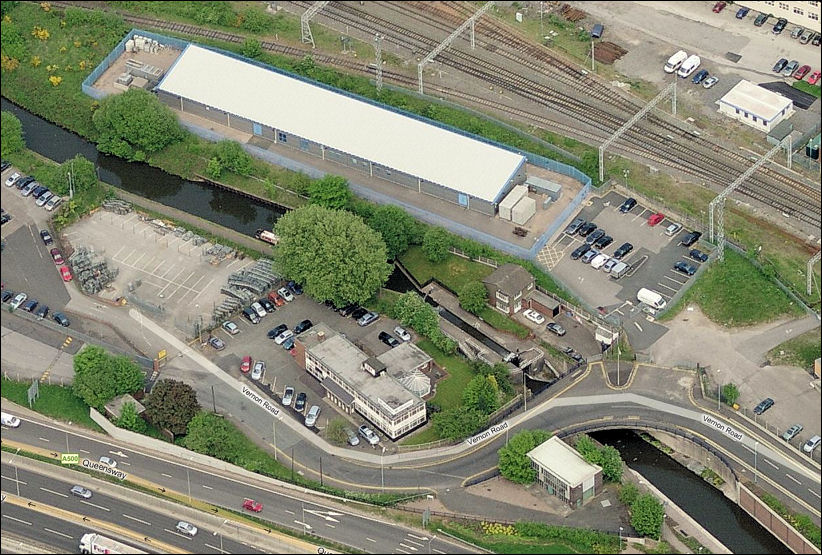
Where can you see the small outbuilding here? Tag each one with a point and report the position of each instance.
(564, 473)
(755, 106)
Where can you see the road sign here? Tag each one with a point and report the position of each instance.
(70, 458)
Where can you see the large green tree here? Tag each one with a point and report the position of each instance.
(458, 422)
(330, 191)
(435, 244)
(134, 124)
(397, 228)
(646, 516)
(212, 435)
(473, 296)
(171, 405)
(99, 377)
(332, 253)
(76, 174)
(233, 158)
(413, 311)
(514, 463)
(481, 394)
(11, 133)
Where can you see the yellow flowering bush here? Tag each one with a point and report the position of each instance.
(9, 64)
(497, 529)
(46, 6)
(36, 61)
(55, 80)
(40, 33)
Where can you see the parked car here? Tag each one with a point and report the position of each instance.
(299, 402)
(580, 250)
(790, 68)
(698, 255)
(186, 528)
(57, 257)
(597, 30)
(814, 77)
(763, 406)
(21, 183)
(275, 298)
(12, 179)
(624, 249)
(251, 505)
(303, 326)
(108, 461)
(245, 365)
(761, 19)
(690, 239)
(258, 370)
(626, 206)
(574, 226)
(285, 294)
(53, 202)
(402, 333)
(553, 327)
(792, 432)
(80, 491)
(587, 229)
(42, 311)
(61, 319)
(672, 229)
(216, 342)
(603, 241)
(654, 219)
(65, 273)
(267, 305)
(44, 198)
(812, 444)
(288, 396)
(230, 327)
(369, 435)
(780, 65)
(589, 255)
(251, 315)
(368, 318)
(710, 81)
(346, 311)
(18, 300)
(353, 440)
(388, 339)
(685, 268)
(800, 73)
(608, 266)
(534, 316)
(29, 305)
(742, 12)
(46, 237)
(295, 287)
(806, 36)
(700, 76)
(288, 345)
(719, 6)
(258, 308)
(815, 40)
(595, 236)
(29, 188)
(311, 415)
(359, 312)
(7, 295)
(283, 337)
(797, 31)
(38, 192)
(780, 25)
(599, 260)
(274, 332)
(5, 165)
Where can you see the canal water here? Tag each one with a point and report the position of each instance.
(706, 505)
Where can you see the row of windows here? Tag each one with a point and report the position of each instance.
(797, 10)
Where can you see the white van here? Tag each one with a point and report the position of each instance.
(675, 61)
(10, 420)
(619, 270)
(599, 260)
(651, 298)
(689, 66)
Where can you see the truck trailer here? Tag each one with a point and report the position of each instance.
(95, 543)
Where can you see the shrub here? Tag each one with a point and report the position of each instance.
(435, 244)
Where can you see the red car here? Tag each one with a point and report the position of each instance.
(246, 365)
(276, 299)
(252, 505)
(656, 218)
(56, 256)
(814, 77)
(802, 72)
(719, 6)
(65, 273)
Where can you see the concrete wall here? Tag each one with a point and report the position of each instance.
(783, 531)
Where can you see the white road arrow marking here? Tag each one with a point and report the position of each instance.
(324, 514)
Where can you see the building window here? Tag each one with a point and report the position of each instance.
(798, 11)
(502, 296)
(783, 6)
(737, 110)
(769, 3)
(282, 137)
(813, 15)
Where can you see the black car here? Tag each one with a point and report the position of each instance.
(46, 237)
(579, 251)
(29, 305)
(685, 268)
(38, 191)
(627, 205)
(42, 312)
(690, 239)
(272, 333)
(697, 254)
(5, 218)
(574, 226)
(587, 229)
(388, 339)
(595, 236)
(779, 26)
(780, 65)
(8, 295)
(299, 402)
(295, 287)
(5, 165)
(624, 249)
(359, 312)
(603, 241)
(761, 19)
(347, 310)
(817, 38)
(763, 406)
(23, 182)
(61, 319)
(302, 326)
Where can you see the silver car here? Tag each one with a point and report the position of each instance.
(311, 416)
(790, 68)
(792, 432)
(80, 491)
(353, 440)
(186, 528)
(288, 396)
(258, 370)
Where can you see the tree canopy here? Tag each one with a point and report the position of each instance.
(396, 226)
(413, 311)
(11, 133)
(332, 253)
(100, 377)
(213, 435)
(473, 297)
(458, 422)
(330, 191)
(435, 244)
(481, 394)
(606, 456)
(171, 405)
(646, 515)
(134, 124)
(514, 463)
(130, 420)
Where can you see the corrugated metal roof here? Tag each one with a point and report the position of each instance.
(340, 122)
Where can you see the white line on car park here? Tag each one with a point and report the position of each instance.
(54, 492)
(136, 519)
(207, 487)
(369, 539)
(118, 252)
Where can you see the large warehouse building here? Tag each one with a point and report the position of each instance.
(311, 118)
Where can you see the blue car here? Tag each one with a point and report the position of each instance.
(295, 287)
(742, 12)
(701, 75)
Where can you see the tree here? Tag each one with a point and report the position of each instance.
(335, 432)
(628, 494)
(127, 374)
(330, 191)
(397, 228)
(332, 253)
(11, 134)
(611, 463)
(412, 311)
(588, 449)
(252, 48)
(481, 394)
(100, 377)
(214, 168)
(213, 435)
(171, 405)
(514, 463)
(730, 393)
(77, 174)
(473, 297)
(458, 422)
(233, 158)
(435, 244)
(646, 515)
(130, 420)
(134, 124)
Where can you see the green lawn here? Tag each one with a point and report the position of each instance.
(453, 273)
(55, 401)
(449, 390)
(736, 293)
(800, 351)
(808, 88)
(502, 322)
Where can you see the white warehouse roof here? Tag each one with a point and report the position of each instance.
(756, 100)
(340, 122)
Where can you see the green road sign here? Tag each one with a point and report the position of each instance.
(69, 458)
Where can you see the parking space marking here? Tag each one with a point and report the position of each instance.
(148, 263)
(124, 260)
(138, 260)
(193, 288)
(167, 271)
(182, 283)
(157, 267)
(680, 283)
(666, 287)
(118, 252)
(171, 282)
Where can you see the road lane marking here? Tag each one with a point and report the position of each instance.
(43, 439)
(330, 525)
(794, 479)
(369, 539)
(18, 481)
(207, 487)
(84, 451)
(166, 475)
(411, 547)
(54, 492)
(438, 551)
(813, 492)
(415, 543)
(398, 550)
(772, 464)
(178, 534)
(17, 520)
(290, 512)
(137, 519)
(410, 535)
(58, 533)
(217, 549)
(95, 505)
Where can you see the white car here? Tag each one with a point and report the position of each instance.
(231, 328)
(534, 316)
(401, 332)
(258, 370)
(311, 416)
(288, 396)
(369, 435)
(44, 198)
(12, 179)
(608, 266)
(258, 308)
(186, 528)
(283, 337)
(285, 293)
(80, 491)
(672, 229)
(10, 420)
(108, 461)
(18, 300)
(53, 202)
(599, 260)
(812, 444)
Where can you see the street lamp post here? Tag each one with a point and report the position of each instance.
(620, 539)
(431, 539)
(524, 393)
(382, 470)
(16, 477)
(756, 444)
(718, 391)
(219, 531)
(274, 431)
(188, 480)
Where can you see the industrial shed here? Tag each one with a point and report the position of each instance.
(335, 126)
(755, 106)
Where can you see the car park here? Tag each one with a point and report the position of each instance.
(299, 402)
(186, 528)
(587, 229)
(623, 250)
(258, 370)
(589, 255)
(353, 440)
(42, 311)
(780, 25)
(534, 316)
(18, 300)
(285, 294)
(790, 68)
(274, 332)
(685, 268)
(267, 305)
(53, 202)
(402, 333)
(812, 444)
(672, 229)
(763, 406)
(698, 255)
(609, 265)
(710, 81)
(690, 239)
(742, 12)
(574, 226)
(230, 327)
(65, 273)
(700, 76)
(29, 305)
(303, 326)
(288, 396)
(275, 298)
(654, 219)
(792, 432)
(108, 461)
(80, 491)
(258, 308)
(553, 327)
(368, 318)
(780, 65)
(295, 287)
(216, 342)
(796, 32)
(761, 19)
(61, 319)
(245, 365)
(800, 73)
(626, 206)
(311, 415)
(603, 241)
(283, 337)
(46, 237)
(814, 77)
(388, 339)
(369, 435)
(719, 6)
(579, 251)
(806, 36)
(251, 505)
(12, 179)
(57, 256)
(595, 236)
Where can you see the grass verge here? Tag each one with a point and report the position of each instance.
(453, 273)
(501, 322)
(532, 537)
(54, 401)
(804, 86)
(800, 351)
(449, 390)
